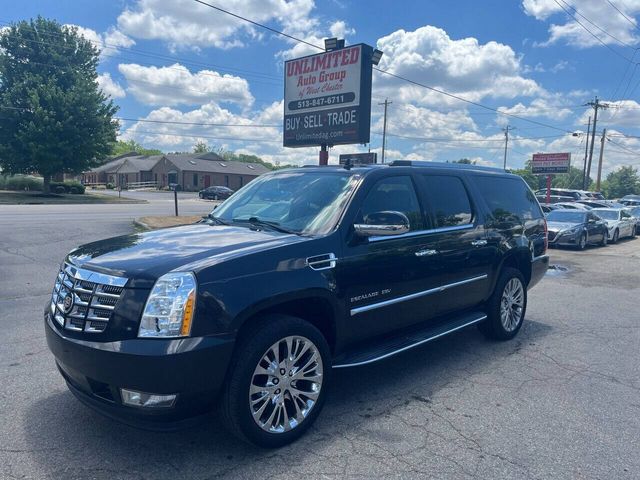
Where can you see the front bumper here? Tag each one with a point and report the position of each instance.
(192, 368)
(566, 239)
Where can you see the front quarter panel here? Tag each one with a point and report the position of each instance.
(239, 288)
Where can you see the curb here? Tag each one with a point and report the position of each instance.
(141, 224)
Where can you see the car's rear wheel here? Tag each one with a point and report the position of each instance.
(506, 307)
(277, 382)
(582, 243)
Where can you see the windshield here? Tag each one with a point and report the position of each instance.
(302, 202)
(566, 216)
(608, 214)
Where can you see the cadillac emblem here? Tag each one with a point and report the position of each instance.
(67, 303)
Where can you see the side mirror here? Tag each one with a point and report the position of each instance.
(386, 223)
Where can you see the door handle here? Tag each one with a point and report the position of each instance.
(479, 243)
(426, 253)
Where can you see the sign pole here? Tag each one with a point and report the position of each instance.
(548, 189)
(324, 155)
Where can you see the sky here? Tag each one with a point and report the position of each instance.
(540, 60)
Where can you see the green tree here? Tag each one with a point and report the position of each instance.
(572, 180)
(465, 161)
(201, 147)
(54, 116)
(621, 182)
(121, 147)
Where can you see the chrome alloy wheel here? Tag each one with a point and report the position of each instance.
(285, 384)
(511, 304)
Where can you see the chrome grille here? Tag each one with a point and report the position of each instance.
(94, 295)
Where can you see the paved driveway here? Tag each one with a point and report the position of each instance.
(560, 401)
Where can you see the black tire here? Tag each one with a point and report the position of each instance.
(605, 239)
(582, 243)
(616, 236)
(201, 195)
(235, 408)
(493, 327)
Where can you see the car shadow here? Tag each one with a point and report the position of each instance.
(69, 440)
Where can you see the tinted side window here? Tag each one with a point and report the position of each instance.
(448, 200)
(508, 198)
(396, 194)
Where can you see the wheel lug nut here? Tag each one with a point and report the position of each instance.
(282, 371)
(277, 392)
(275, 381)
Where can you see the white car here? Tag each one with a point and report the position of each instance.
(619, 222)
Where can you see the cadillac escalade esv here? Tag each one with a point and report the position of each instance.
(300, 272)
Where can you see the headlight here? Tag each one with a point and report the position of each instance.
(169, 308)
(571, 231)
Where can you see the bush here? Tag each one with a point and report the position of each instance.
(109, 186)
(70, 186)
(20, 182)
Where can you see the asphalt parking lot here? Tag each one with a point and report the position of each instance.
(560, 401)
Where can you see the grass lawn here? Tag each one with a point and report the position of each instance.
(37, 198)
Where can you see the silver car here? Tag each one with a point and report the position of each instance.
(619, 222)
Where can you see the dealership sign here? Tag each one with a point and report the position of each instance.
(327, 98)
(358, 158)
(548, 163)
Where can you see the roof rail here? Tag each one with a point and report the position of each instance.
(426, 163)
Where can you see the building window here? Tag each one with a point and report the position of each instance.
(195, 179)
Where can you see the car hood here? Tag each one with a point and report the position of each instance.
(558, 226)
(143, 257)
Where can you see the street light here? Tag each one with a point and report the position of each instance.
(376, 56)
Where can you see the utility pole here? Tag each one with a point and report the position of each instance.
(506, 142)
(604, 133)
(596, 105)
(384, 127)
(586, 151)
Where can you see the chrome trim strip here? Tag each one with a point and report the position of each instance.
(539, 257)
(95, 277)
(420, 342)
(411, 296)
(422, 232)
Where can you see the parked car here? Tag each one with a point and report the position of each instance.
(553, 198)
(619, 222)
(253, 309)
(215, 193)
(576, 228)
(573, 205)
(594, 203)
(630, 200)
(635, 214)
(593, 195)
(568, 193)
(548, 207)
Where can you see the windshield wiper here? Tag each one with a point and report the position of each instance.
(266, 223)
(215, 219)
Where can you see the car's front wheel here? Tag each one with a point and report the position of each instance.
(605, 239)
(506, 307)
(277, 381)
(616, 236)
(582, 242)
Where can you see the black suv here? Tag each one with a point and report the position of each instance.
(300, 272)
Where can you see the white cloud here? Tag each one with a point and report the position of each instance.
(623, 113)
(109, 86)
(597, 16)
(464, 67)
(176, 85)
(539, 107)
(184, 23)
(338, 29)
(105, 42)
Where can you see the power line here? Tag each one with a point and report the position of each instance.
(623, 15)
(591, 33)
(385, 72)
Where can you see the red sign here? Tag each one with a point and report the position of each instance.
(548, 163)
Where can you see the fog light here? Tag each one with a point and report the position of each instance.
(149, 400)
